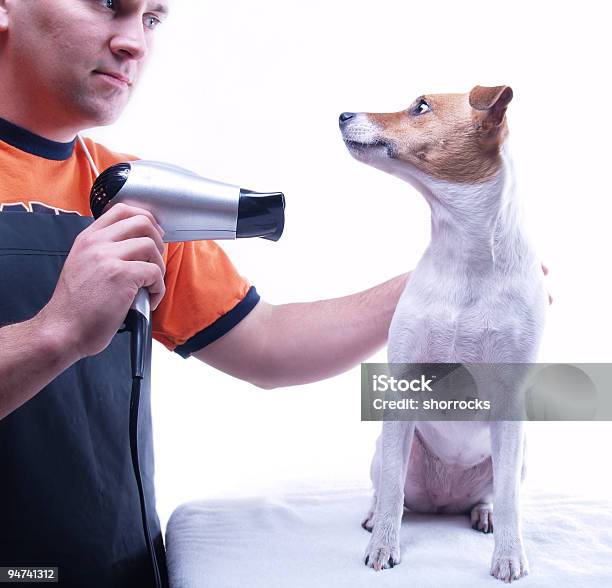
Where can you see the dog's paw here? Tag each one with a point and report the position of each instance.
(481, 517)
(368, 522)
(509, 565)
(381, 554)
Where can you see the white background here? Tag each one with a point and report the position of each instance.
(250, 92)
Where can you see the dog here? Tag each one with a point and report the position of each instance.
(477, 295)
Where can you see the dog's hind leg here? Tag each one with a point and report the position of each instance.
(481, 517)
(368, 522)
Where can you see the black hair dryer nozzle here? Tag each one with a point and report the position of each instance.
(260, 215)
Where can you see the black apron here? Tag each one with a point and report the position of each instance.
(68, 496)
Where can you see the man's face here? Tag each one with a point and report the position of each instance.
(79, 60)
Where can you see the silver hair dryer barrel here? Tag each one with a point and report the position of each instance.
(187, 206)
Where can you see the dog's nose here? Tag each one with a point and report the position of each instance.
(345, 116)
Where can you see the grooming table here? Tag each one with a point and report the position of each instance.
(315, 540)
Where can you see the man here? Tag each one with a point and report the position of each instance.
(67, 494)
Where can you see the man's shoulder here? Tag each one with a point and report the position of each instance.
(104, 157)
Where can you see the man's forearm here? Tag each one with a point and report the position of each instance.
(314, 340)
(31, 356)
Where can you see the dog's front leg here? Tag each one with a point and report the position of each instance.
(383, 550)
(509, 559)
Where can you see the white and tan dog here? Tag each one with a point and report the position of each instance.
(477, 295)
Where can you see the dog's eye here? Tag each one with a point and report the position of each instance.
(421, 107)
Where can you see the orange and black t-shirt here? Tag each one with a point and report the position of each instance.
(205, 296)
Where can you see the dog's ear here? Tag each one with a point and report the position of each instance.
(492, 102)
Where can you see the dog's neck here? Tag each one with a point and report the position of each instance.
(476, 227)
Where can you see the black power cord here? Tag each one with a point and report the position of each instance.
(138, 326)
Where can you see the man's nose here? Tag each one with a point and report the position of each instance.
(130, 40)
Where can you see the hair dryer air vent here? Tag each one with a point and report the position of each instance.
(106, 187)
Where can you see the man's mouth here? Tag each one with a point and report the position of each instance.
(114, 76)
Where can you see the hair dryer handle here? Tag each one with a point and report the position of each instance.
(137, 323)
(142, 303)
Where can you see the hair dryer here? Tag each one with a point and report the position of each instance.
(189, 208)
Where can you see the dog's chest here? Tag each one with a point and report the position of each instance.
(442, 318)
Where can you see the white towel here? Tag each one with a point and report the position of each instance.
(315, 540)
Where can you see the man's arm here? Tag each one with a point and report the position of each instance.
(32, 355)
(289, 344)
(107, 264)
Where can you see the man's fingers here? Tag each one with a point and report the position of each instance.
(147, 264)
(139, 238)
(122, 211)
(149, 276)
(545, 271)
(131, 228)
(140, 249)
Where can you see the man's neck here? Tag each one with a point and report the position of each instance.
(38, 126)
(29, 110)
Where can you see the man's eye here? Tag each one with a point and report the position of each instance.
(422, 107)
(110, 4)
(151, 22)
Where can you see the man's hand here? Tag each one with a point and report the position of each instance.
(545, 270)
(109, 261)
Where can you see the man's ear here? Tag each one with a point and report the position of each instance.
(492, 103)
(3, 16)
